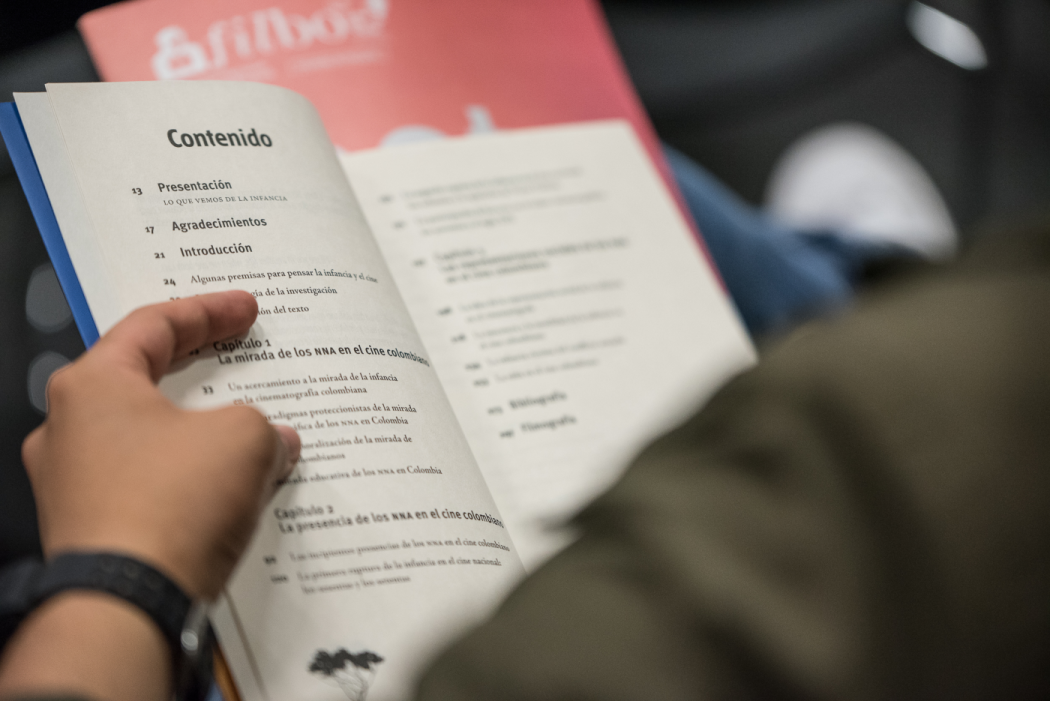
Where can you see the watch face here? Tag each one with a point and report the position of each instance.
(195, 629)
(193, 674)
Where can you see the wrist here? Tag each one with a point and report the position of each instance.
(182, 625)
(91, 643)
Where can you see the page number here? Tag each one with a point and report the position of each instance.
(136, 190)
(208, 389)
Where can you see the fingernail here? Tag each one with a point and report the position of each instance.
(291, 443)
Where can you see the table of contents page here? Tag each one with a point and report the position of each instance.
(385, 541)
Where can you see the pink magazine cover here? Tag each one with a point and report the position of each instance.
(382, 72)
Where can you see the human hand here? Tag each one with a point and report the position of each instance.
(118, 467)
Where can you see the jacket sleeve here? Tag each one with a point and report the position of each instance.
(864, 516)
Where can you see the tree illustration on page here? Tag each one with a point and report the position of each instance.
(351, 672)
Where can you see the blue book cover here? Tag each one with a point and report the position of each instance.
(40, 204)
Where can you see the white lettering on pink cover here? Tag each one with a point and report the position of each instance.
(262, 33)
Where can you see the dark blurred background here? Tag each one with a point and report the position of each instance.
(732, 84)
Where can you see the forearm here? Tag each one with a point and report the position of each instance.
(87, 644)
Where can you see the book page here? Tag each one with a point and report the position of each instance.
(565, 304)
(386, 541)
(49, 151)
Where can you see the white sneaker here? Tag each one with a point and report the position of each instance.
(854, 179)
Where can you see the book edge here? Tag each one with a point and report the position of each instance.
(25, 165)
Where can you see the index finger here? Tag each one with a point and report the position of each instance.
(151, 338)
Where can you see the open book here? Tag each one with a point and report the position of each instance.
(472, 336)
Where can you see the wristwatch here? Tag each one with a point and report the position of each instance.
(183, 622)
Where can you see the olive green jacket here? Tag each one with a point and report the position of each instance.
(866, 515)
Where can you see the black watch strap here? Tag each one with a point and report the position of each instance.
(28, 583)
(124, 577)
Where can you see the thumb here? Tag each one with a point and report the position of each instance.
(151, 337)
(290, 455)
